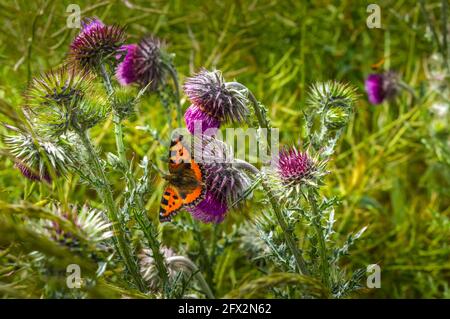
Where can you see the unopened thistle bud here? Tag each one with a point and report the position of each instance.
(88, 223)
(65, 99)
(124, 102)
(34, 157)
(336, 117)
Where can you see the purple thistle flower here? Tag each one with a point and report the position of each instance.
(143, 64)
(125, 70)
(223, 178)
(294, 167)
(374, 88)
(224, 183)
(148, 64)
(90, 24)
(209, 210)
(198, 121)
(211, 94)
(95, 42)
(381, 86)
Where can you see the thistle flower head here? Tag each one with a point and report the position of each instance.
(224, 178)
(199, 122)
(210, 210)
(294, 171)
(89, 25)
(148, 63)
(33, 155)
(65, 99)
(125, 72)
(89, 223)
(143, 64)
(212, 95)
(380, 87)
(294, 167)
(95, 43)
(224, 182)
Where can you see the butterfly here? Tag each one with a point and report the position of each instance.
(378, 65)
(185, 181)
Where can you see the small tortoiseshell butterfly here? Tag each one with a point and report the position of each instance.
(185, 187)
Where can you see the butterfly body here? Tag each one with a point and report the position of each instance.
(185, 181)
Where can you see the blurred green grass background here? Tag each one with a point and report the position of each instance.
(391, 169)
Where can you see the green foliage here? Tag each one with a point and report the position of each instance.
(389, 169)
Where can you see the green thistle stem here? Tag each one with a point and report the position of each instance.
(263, 123)
(324, 264)
(118, 132)
(262, 120)
(301, 264)
(145, 224)
(408, 88)
(113, 214)
(148, 228)
(174, 76)
(203, 253)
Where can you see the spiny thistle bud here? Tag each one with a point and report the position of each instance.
(124, 102)
(89, 223)
(220, 101)
(65, 99)
(96, 43)
(144, 64)
(30, 161)
(330, 106)
(380, 87)
(336, 117)
(326, 95)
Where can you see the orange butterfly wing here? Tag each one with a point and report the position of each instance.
(171, 202)
(175, 197)
(193, 197)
